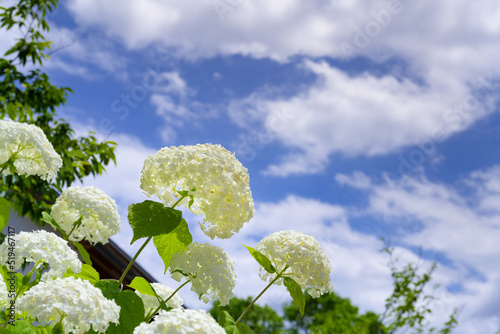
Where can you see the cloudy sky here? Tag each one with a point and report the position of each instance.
(356, 120)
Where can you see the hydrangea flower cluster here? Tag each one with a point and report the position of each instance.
(100, 214)
(82, 303)
(308, 264)
(151, 303)
(4, 300)
(43, 246)
(35, 154)
(209, 269)
(212, 175)
(179, 321)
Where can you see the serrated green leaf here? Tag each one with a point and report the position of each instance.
(110, 289)
(83, 252)
(150, 219)
(262, 259)
(43, 330)
(296, 293)
(88, 273)
(131, 313)
(174, 242)
(5, 331)
(4, 213)
(143, 286)
(21, 327)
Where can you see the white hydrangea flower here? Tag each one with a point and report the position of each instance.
(151, 303)
(4, 295)
(308, 264)
(180, 321)
(209, 269)
(37, 155)
(222, 192)
(42, 246)
(100, 214)
(82, 303)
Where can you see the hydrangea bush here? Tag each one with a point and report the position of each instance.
(60, 294)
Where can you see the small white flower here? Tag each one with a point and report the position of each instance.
(151, 303)
(35, 154)
(179, 321)
(100, 214)
(222, 192)
(308, 264)
(42, 246)
(82, 303)
(209, 269)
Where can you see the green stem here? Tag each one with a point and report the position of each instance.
(120, 281)
(131, 263)
(166, 300)
(260, 294)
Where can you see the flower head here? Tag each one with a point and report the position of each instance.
(4, 300)
(82, 303)
(34, 154)
(100, 214)
(42, 246)
(151, 303)
(179, 321)
(307, 263)
(208, 268)
(214, 177)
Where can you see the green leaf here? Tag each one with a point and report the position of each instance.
(149, 219)
(21, 327)
(44, 330)
(5, 331)
(243, 328)
(296, 293)
(231, 327)
(4, 213)
(58, 328)
(262, 259)
(51, 221)
(88, 273)
(83, 252)
(174, 242)
(110, 289)
(131, 313)
(143, 286)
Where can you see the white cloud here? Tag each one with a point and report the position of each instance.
(357, 115)
(461, 223)
(174, 101)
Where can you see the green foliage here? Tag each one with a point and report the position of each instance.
(409, 304)
(141, 285)
(110, 289)
(131, 313)
(28, 96)
(262, 259)
(296, 293)
(174, 242)
(261, 319)
(149, 219)
(330, 314)
(87, 273)
(4, 212)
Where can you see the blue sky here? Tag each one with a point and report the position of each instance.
(356, 120)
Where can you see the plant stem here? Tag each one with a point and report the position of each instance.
(166, 300)
(260, 294)
(133, 260)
